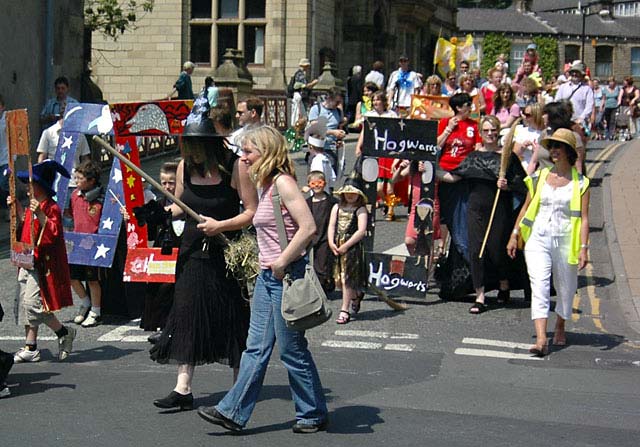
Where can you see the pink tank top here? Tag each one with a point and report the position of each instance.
(267, 230)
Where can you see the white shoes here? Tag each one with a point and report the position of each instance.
(83, 311)
(65, 344)
(26, 356)
(92, 320)
(4, 391)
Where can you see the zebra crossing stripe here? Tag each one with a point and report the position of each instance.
(495, 343)
(495, 354)
(375, 334)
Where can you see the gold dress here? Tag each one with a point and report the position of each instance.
(350, 265)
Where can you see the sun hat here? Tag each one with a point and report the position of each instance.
(532, 46)
(304, 62)
(562, 135)
(44, 174)
(577, 66)
(352, 185)
(316, 134)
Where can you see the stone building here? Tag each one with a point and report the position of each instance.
(610, 37)
(273, 35)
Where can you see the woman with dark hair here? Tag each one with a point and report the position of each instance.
(554, 222)
(365, 104)
(209, 319)
(611, 94)
(557, 115)
(629, 97)
(504, 106)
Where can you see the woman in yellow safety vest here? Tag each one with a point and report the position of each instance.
(554, 223)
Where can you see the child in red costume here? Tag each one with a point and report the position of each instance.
(47, 287)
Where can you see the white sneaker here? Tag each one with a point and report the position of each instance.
(4, 391)
(26, 356)
(83, 311)
(65, 344)
(92, 320)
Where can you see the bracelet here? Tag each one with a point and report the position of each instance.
(515, 232)
(584, 245)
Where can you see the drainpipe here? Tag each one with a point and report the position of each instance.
(48, 49)
(312, 56)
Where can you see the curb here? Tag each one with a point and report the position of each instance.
(630, 312)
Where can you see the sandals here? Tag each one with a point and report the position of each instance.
(355, 303)
(343, 317)
(478, 308)
(538, 351)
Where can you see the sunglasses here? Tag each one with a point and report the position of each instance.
(555, 145)
(490, 130)
(317, 183)
(526, 115)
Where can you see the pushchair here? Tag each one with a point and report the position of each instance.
(622, 119)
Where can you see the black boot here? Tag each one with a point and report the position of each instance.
(175, 400)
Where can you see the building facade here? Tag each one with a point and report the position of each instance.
(273, 35)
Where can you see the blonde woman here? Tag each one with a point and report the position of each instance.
(265, 152)
(527, 139)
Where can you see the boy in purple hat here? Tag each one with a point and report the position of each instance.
(46, 288)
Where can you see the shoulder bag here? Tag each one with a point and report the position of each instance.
(304, 303)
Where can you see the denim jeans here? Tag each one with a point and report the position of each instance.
(267, 326)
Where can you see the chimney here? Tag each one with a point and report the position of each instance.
(522, 6)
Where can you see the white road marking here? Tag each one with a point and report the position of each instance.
(496, 343)
(400, 250)
(351, 344)
(118, 334)
(135, 339)
(18, 338)
(495, 354)
(375, 334)
(399, 347)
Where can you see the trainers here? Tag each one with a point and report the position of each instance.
(92, 320)
(4, 391)
(26, 356)
(83, 311)
(299, 427)
(65, 344)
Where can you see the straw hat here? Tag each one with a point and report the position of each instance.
(304, 62)
(565, 136)
(352, 185)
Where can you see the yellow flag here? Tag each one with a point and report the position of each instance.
(444, 57)
(466, 51)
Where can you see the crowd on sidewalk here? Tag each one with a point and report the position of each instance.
(511, 158)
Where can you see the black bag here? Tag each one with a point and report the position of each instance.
(290, 89)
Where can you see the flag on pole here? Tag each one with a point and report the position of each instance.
(444, 56)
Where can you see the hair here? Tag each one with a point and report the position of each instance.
(315, 175)
(434, 79)
(343, 202)
(452, 74)
(458, 100)
(222, 115)
(334, 92)
(611, 79)
(209, 149)
(90, 170)
(466, 77)
(382, 95)
(530, 86)
(169, 167)
(371, 86)
(378, 65)
(497, 97)
(491, 119)
(356, 69)
(465, 62)
(274, 152)
(558, 115)
(254, 103)
(536, 114)
(188, 65)
(572, 154)
(61, 80)
(208, 82)
(493, 70)
(629, 80)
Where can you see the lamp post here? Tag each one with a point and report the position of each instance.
(597, 8)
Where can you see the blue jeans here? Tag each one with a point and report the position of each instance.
(267, 326)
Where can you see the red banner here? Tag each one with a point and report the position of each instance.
(150, 265)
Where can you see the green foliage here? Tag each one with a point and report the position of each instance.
(113, 17)
(492, 45)
(547, 55)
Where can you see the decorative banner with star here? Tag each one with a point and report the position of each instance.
(424, 107)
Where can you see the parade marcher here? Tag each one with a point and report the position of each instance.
(611, 94)
(375, 75)
(491, 87)
(265, 151)
(598, 109)
(578, 92)
(450, 84)
(209, 318)
(364, 105)
(85, 206)
(403, 83)
(55, 107)
(331, 109)
(504, 106)
(347, 229)
(249, 114)
(629, 98)
(468, 86)
(432, 86)
(557, 115)
(480, 169)
(46, 288)
(183, 86)
(411, 170)
(526, 138)
(554, 223)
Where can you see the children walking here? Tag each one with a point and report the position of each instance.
(321, 204)
(86, 209)
(347, 228)
(45, 288)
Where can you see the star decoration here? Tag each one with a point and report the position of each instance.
(126, 149)
(402, 124)
(117, 175)
(131, 180)
(107, 224)
(101, 251)
(68, 141)
(132, 197)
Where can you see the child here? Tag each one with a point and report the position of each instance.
(315, 135)
(347, 228)
(321, 204)
(86, 208)
(45, 288)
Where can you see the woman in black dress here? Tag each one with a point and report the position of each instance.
(209, 319)
(481, 170)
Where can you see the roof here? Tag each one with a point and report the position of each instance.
(506, 20)
(557, 5)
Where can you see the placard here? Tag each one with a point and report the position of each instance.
(400, 138)
(398, 275)
(150, 265)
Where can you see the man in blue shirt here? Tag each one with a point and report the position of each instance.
(54, 107)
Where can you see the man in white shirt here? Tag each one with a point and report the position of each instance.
(375, 75)
(249, 114)
(402, 84)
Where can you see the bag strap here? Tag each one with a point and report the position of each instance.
(277, 214)
(572, 93)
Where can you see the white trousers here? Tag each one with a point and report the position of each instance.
(547, 254)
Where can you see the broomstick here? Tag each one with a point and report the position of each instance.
(504, 164)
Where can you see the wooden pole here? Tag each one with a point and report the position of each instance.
(504, 164)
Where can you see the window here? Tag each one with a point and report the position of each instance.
(604, 60)
(635, 62)
(571, 53)
(216, 25)
(516, 56)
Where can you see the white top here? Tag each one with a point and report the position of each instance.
(553, 217)
(48, 144)
(404, 95)
(523, 134)
(321, 162)
(376, 77)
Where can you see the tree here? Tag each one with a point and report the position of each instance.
(113, 17)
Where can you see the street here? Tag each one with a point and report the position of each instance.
(432, 375)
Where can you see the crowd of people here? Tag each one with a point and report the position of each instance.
(511, 158)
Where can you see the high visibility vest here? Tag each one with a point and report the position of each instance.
(534, 183)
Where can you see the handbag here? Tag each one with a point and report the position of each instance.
(304, 303)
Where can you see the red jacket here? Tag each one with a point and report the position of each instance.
(50, 256)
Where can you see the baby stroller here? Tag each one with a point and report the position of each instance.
(622, 119)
